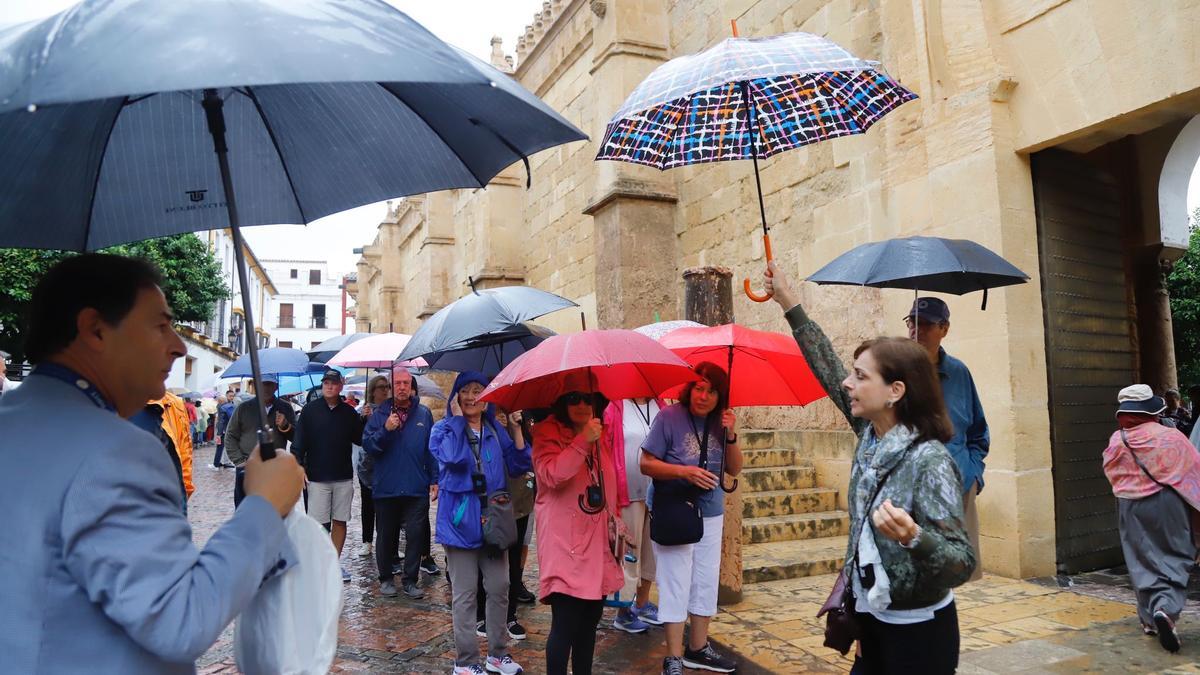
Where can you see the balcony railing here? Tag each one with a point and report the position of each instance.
(318, 322)
(287, 321)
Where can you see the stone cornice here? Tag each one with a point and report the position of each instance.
(629, 189)
(636, 48)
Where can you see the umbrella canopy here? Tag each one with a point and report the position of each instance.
(482, 312)
(329, 348)
(747, 98)
(274, 361)
(617, 363)
(489, 354)
(656, 331)
(930, 264)
(764, 368)
(294, 384)
(317, 100)
(375, 351)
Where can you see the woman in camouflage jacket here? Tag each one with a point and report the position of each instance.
(918, 541)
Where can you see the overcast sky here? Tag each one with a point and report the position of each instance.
(469, 24)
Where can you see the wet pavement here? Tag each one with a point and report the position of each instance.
(1085, 624)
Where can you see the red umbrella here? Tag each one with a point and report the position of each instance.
(764, 368)
(617, 363)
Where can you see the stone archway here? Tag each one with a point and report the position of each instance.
(1176, 175)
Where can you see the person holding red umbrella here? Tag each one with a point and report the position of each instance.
(577, 527)
(689, 445)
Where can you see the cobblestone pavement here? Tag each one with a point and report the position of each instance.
(398, 635)
(1007, 625)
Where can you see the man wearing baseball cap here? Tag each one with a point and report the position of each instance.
(325, 435)
(928, 323)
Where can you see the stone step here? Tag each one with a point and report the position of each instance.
(792, 527)
(791, 559)
(756, 459)
(788, 502)
(770, 478)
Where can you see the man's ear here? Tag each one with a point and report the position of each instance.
(91, 329)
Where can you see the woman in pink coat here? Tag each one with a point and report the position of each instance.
(576, 523)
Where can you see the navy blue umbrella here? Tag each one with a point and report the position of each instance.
(489, 354)
(329, 348)
(930, 264)
(481, 313)
(123, 120)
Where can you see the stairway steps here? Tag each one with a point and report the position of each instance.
(791, 527)
(788, 502)
(791, 559)
(768, 479)
(770, 457)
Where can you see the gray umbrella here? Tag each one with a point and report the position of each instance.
(930, 264)
(478, 314)
(110, 113)
(489, 354)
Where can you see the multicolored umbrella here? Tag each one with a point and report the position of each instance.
(749, 98)
(656, 331)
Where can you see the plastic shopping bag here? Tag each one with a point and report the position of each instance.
(291, 626)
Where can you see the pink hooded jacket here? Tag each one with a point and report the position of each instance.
(614, 432)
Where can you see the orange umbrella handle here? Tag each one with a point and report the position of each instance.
(746, 282)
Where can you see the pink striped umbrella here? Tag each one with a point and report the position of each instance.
(377, 351)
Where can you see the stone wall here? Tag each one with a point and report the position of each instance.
(996, 80)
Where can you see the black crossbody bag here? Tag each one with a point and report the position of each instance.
(675, 517)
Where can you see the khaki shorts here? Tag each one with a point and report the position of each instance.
(637, 520)
(330, 501)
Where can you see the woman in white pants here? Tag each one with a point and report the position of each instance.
(701, 423)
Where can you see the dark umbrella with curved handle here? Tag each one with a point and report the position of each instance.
(109, 120)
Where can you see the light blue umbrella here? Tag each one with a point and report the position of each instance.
(274, 361)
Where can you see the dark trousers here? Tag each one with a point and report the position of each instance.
(573, 624)
(514, 575)
(217, 454)
(368, 512)
(239, 486)
(392, 513)
(889, 648)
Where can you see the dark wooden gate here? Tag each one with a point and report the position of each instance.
(1090, 346)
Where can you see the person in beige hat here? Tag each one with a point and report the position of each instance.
(1155, 475)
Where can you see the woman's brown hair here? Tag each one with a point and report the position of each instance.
(922, 407)
(369, 394)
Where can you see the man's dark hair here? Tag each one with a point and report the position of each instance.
(107, 283)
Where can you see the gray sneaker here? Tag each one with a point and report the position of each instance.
(413, 592)
(387, 589)
(708, 659)
(672, 665)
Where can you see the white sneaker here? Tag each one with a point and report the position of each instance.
(503, 665)
(365, 550)
(472, 669)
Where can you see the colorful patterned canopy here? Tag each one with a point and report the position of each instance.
(693, 109)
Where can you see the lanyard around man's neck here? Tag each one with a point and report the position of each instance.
(75, 380)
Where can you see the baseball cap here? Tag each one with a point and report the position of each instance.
(332, 375)
(270, 377)
(932, 310)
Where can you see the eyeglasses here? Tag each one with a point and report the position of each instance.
(577, 397)
(383, 387)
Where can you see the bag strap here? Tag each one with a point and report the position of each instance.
(1125, 440)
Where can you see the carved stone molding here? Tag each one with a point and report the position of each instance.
(599, 7)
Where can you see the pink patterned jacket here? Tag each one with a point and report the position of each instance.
(1165, 452)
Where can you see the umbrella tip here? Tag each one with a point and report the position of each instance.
(733, 26)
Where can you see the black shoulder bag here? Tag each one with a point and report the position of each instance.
(841, 628)
(497, 521)
(675, 517)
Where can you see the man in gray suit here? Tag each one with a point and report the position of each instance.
(100, 574)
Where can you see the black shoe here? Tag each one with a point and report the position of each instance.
(708, 659)
(1167, 637)
(429, 566)
(411, 590)
(516, 631)
(523, 595)
(672, 665)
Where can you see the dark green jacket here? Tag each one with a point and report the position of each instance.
(241, 434)
(824, 362)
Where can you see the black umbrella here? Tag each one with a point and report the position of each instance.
(110, 113)
(478, 314)
(329, 348)
(930, 264)
(490, 353)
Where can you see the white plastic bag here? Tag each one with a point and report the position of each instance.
(291, 626)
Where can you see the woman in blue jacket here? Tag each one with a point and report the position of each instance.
(470, 448)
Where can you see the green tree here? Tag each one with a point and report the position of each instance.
(191, 281)
(1183, 285)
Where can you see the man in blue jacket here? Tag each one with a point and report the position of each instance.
(928, 323)
(404, 481)
(100, 572)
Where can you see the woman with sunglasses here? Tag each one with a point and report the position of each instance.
(700, 424)
(574, 510)
(377, 392)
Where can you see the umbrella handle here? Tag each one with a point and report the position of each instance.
(746, 282)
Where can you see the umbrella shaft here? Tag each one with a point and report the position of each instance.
(216, 126)
(752, 124)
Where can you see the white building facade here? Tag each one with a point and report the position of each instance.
(214, 344)
(309, 305)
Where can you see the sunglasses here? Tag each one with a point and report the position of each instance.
(577, 397)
